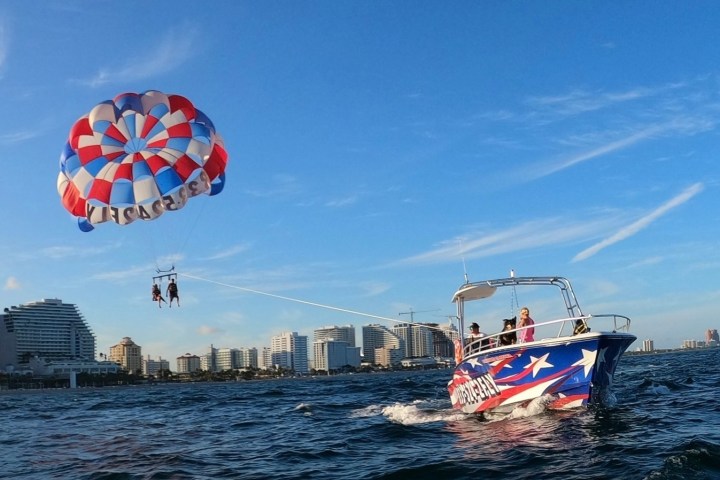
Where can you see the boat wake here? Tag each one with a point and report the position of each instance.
(419, 412)
(422, 411)
(413, 413)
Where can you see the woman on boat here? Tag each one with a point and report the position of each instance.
(527, 334)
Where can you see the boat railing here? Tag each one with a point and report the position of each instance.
(577, 325)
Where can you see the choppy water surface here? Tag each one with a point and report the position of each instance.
(664, 425)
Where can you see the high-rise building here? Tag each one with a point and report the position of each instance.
(345, 333)
(208, 362)
(128, 354)
(418, 339)
(711, 337)
(226, 359)
(334, 355)
(266, 358)
(443, 338)
(290, 350)
(188, 363)
(648, 345)
(49, 329)
(248, 358)
(154, 367)
(381, 346)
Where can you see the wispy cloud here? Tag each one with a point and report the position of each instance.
(581, 101)
(206, 330)
(174, 49)
(282, 185)
(18, 137)
(568, 123)
(12, 283)
(169, 261)
(63, 252)
(230, 252)
(526, 236)
(640, 224)
(374, 288)
(117, 275)
(342, 202)
(542, 170)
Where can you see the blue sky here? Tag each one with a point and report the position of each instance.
(377, 151)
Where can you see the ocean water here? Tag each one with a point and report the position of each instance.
(664, 423)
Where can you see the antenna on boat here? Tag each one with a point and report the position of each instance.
(513, 299)
(462, 257)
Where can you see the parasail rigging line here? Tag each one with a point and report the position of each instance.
(297, 300)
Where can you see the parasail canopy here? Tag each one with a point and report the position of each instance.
(138, 156)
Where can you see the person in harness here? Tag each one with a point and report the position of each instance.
(172, 292)
(157, 295)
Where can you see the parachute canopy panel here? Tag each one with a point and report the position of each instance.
(138, 156)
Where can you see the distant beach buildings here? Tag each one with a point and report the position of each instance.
(188, 363)
(39, 333)
(334, 348)
(290, 351)
(128, 354)
(48, 337)
(155, 368)
(220, 359)
(711, 340)
(49, 329)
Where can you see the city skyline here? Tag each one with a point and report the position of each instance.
(379, 154)
(53, 336)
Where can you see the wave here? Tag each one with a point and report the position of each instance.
(696, 459)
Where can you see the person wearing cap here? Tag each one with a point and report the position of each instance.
(474, 340)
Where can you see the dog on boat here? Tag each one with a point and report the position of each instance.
(511, 337)
(581, 326)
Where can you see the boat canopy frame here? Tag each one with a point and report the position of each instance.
(471, 291)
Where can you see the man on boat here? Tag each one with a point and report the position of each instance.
(476, 341)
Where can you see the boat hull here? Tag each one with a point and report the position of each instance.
(574, 371)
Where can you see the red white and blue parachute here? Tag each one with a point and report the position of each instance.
(138, 156)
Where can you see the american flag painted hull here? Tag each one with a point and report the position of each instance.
(575, 371)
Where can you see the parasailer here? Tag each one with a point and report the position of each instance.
(172, 292)
(138, 156)
(157, 295)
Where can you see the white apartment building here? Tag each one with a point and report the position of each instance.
(208, 362)
(290, 350)
(418, 339)
(49, 329)
(346, 333)
(226, 359)
(188, 363)
(153, 367)
(381, 346)
(334, 354)
(266, 358)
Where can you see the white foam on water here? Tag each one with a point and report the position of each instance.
(536, 407)
(414, 414)
(369, 411)
(306, 408)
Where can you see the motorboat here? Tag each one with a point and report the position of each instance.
(569, 363)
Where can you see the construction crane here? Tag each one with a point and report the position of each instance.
(413, 312)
